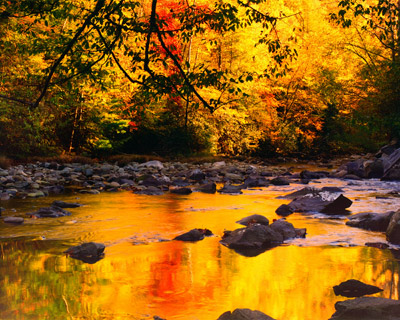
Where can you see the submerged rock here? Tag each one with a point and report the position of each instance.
(150, 191)
(244, 314)
(378, 245)
(194, 235)
(50, 212)
(89, 252)
(62, 204)
(353, 289)
(367, 308)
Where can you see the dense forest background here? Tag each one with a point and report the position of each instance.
(253, 77)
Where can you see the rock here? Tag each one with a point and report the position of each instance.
(353, 289)
(151, 181)
(351, 177)
(284, 210)
(367, 308)
(301, 193)
(233, 176)
(310, 175)
(208, 188)
(194, 235)
(374, 169)
(180, 183)
(231, 189)
(337, 206)
(89, 191)
(13, 220)
(318, 201)
(393, 230)
(287, 230)
(4, 197)
(182, 191)
(62, 204)
(244, 314)
(255, 182)
(197, 175)
(89, 252)
(332, 189)
(378, 245)
(256, 236)
(36, 194)
(219, 164)
(391, 166)
(356, 168)
(370, 221)
(50, 212)
(114, 184)
(151, 191)
(280, 181)
(255, 218)
(152, 164)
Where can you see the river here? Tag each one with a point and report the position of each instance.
(142, 275)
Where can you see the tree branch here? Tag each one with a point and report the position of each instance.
(99, 5)
(109, 49)
(16, 100)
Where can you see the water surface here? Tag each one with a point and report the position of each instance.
(143, 275)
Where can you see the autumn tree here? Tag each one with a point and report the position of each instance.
(377, 27)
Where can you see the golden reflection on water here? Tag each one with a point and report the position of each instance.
(142, 275)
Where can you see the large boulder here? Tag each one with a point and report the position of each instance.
(257, 238)
(370, 221)
(244, 314)
(353, 289)
(367, 308)
(393, 230)
(254, 236)
(325, 202)
(89, 252)
(391, 166)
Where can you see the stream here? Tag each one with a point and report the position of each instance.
(143, 275)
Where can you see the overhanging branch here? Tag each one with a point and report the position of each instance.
(99, 5)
